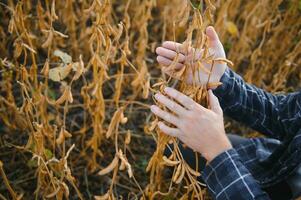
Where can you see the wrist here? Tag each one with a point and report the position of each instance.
(217, 150)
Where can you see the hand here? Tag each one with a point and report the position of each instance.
(199, 128)
(190, 57)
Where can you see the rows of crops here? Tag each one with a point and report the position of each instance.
(77, 79)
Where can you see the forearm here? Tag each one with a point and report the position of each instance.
(227, 178)
(256, 108)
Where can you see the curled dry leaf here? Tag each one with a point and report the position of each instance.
(60, 73)
(67, 59)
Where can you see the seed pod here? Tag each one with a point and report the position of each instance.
(127, 164)
(224, 60)
(122, 166)
(127, 137)
(213, 85)
(67, 95)
(79, 68)
(61, 138)
(123, 119)
(170, 162)
(45, 69)
(54, 193)
(110, 167)
(48, 40)
(114, 122)
(150, 164)
(178, 172)
(62, 135)
(103, 197)
(192, 171)
(181, 176)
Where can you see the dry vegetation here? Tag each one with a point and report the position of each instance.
(76, 80)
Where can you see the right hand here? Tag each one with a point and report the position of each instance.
(169, 50)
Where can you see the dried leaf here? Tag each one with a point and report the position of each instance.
(63, 56)
(59, 73)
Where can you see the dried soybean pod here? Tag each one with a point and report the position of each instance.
(178, 172)
(181, 176)
(224, 60)
(127, 137)
(192, 171)
(170, 162)
(110, 167)
(67, 95)
(103, 197)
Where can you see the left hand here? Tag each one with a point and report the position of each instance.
(199, 128)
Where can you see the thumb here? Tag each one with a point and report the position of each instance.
(212, 35)
(214, 103)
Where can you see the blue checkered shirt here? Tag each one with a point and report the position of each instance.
(242, 172)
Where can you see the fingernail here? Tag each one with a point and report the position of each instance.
(153, 107)
(167, 89)
(157, 96)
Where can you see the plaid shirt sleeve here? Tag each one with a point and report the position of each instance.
(273, 115)
(227, 179)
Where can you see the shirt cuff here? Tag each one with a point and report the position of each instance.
(227, 178)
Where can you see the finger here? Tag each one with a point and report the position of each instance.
(191, 53)
(174, 132)
(161, 51)
(212, 35)
(166, 62)
(214, 103)
(171, 105)
(181, 98)
(177, 47)
(164, 115)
